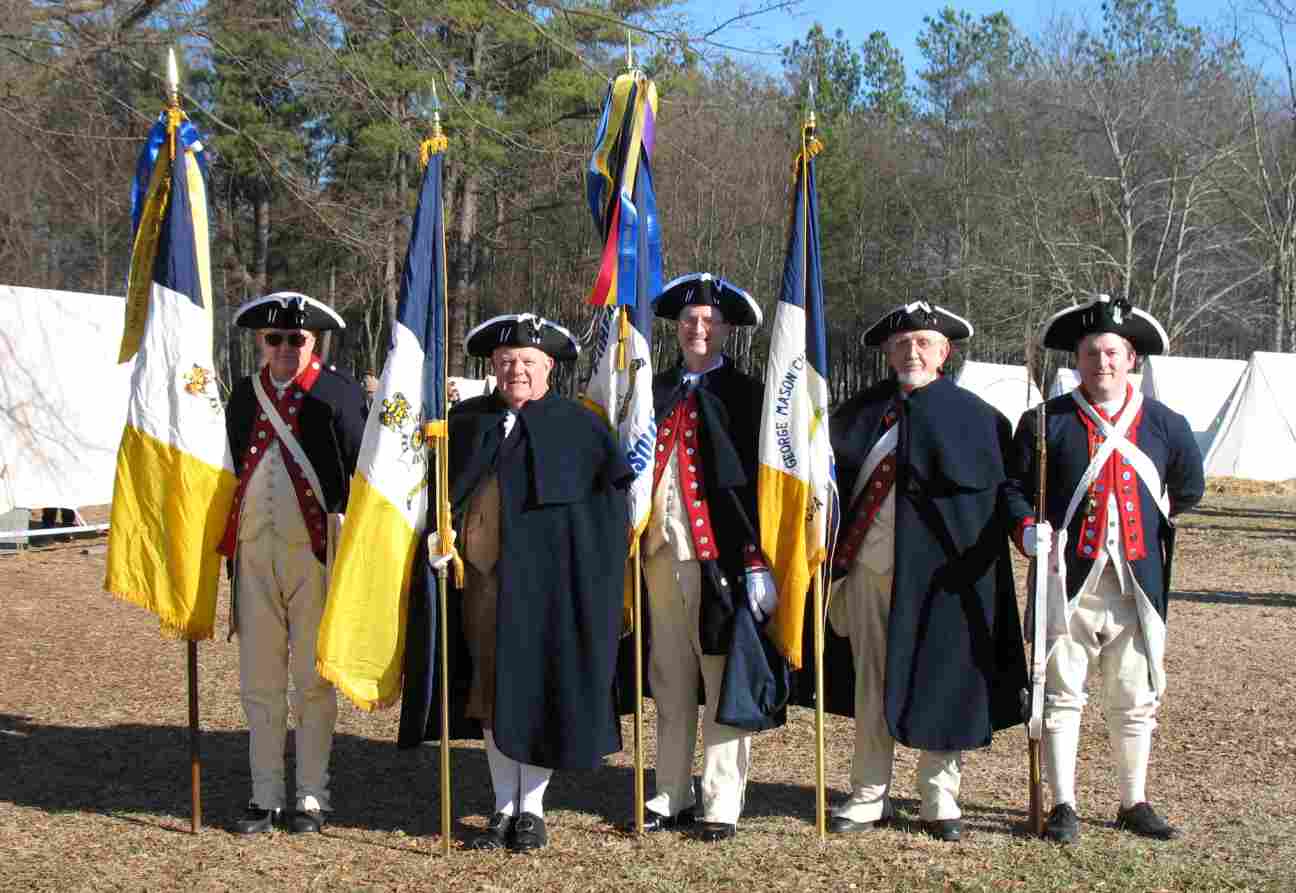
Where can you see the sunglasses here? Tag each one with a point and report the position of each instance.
(296, 339)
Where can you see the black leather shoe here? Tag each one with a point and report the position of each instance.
(497, 833)
(528, 833)
(947, 830)
(1063, 824)
(714, 832)
(839, 824)
(256, 820)
(306, 821)
(655, 821)
(1142, 820)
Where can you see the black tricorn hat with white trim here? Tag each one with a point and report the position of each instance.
(1100, 315)
(521, 330)
(288, 310)
(919, 316)
(706, 290)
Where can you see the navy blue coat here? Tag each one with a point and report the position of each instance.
(332, 426)
(1168, 441)
(563, 550)
(755, 688)
(955, 663)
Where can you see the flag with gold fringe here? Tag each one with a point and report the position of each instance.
(619, 186)
(796, 487)
(174, 479)
(361, 643)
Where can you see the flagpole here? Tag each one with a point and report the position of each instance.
(821, 789)
(638, 715)
(445, 529)
(195, 749)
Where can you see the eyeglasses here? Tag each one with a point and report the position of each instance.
(296, 339)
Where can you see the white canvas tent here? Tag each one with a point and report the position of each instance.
(463, 388)
(1256, 438)
(1065, 380)
(1003, 387)
(1195, 387)
(62, 397)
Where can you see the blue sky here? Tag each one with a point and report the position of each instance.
(902, 20)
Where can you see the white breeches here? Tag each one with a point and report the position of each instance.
(675, 662)
(868, 610)
(281, 591)
(1103, 629)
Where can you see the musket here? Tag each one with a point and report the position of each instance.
(1039, 646)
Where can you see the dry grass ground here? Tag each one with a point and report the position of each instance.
(94, 791)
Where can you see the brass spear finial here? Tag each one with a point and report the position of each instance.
(173, 78)
(436, 112)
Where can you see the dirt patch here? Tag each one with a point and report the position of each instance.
(94, 771)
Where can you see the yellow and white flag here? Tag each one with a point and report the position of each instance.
(361, 645)
(796, 481)
(174, 481)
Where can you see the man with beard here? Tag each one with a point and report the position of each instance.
(925, 592)
(536, 486)
(1120, 467)
(294, 430)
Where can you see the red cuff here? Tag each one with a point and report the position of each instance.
(754, 559)
(1019, 535)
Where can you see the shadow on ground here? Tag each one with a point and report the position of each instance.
(1243, 599)
(127, 770)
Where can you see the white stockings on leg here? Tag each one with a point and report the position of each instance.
(519, 787)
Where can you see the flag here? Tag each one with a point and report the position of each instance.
(796, 488)
(361, 643)
(174, 480)
(618, 186)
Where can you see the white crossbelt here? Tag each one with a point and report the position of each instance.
(1115, 440)
(886, 444)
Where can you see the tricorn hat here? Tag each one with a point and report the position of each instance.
(288, 310)
(521, 330)
(706, 290)
(1100, 315)
(917, 317)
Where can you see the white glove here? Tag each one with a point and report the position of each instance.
(762, 596)
(437, 559)
(1038, 539)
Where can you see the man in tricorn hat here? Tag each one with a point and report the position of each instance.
(1120, 466)
(708, 583)
(294, 431)
(925, 593)
(536, 490)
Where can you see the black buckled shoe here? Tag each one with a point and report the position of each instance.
(306, 821)
(714, 832)
(946, 830)
(256, 820)
(497, 833)
(1063, 824)
(528, 833)
(1141, 819)
(655, 821)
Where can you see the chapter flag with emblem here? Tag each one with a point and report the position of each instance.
(796, 487)
(620, 190)
(361, 643)
(174, 479)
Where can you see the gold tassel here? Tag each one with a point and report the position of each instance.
(431, 146)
